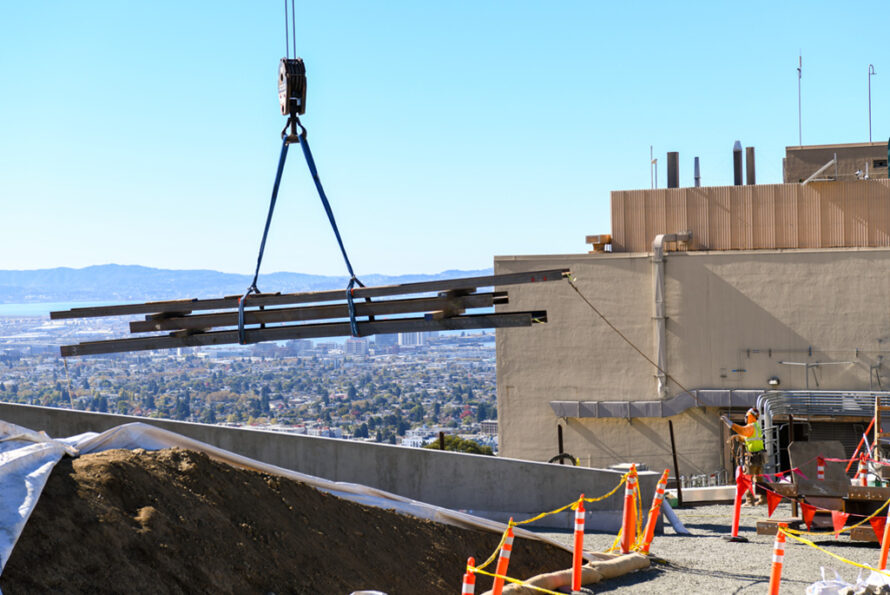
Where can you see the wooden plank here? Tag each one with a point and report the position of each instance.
(786, 490)
(304, 313)
(308, 331)
(268, 299)
(771, 526)
(863, 533)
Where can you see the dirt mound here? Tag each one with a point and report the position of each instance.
(174, 521)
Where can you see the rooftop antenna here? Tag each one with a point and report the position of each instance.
(871, 72)
(653, 169)
(799, 121)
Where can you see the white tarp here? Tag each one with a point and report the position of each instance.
(27, 458)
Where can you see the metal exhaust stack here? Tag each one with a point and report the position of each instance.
(697, 174)
(737, 163)
(673, 167)
(749, 166)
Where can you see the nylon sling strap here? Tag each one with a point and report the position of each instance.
(293, 122)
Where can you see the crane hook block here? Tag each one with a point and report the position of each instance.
(292, 86)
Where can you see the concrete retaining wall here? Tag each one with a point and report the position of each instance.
(491, 487)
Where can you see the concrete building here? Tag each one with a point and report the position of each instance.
(855, 161)
(733, 291)
(356, 346)
(411, 339)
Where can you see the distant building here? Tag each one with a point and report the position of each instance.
(489, 426)
(386, 340)
(411, 339)
(413, 441)
(298, 346)
(356, 346)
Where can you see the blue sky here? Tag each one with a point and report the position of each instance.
(445, 133)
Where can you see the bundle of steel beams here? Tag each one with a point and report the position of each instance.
(322, 314)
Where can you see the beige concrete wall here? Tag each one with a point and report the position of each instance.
(731, 318)
(802, 162)
(493, 487)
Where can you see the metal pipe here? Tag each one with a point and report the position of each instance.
(737, 163)
(871, 72)
(820, 170)
(697, 173)
(676, 468)
(673, 167)
(749, 166)
(658, 289)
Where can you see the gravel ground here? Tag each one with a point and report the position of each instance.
(706, 563)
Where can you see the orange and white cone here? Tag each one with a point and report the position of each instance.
(654, 511)
(629, 521)
(469, 584)
(577, 557)
(863, 470)
(775, 577)
(503, 561)
(820, 469)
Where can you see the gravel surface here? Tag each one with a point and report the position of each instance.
(706, 563)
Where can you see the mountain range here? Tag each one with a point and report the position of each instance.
(125, 283)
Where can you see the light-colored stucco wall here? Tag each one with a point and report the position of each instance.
(493, 487)
(731, 318)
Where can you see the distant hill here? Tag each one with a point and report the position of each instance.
(113, 282)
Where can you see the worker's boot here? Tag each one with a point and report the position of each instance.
(749, 499)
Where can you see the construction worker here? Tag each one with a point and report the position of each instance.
(755, 455)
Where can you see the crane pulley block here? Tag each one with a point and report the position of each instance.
(292, 86)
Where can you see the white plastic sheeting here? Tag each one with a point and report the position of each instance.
(27, 458)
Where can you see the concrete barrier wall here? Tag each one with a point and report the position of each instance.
(491, 487)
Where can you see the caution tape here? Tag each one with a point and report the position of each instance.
(804, 541)
(571, 505)
(514, 581)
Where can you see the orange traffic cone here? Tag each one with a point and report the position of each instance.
(469, 584)
(503, 561)
(654, 511)
(775, 577)
(629, 522)
(577, 558)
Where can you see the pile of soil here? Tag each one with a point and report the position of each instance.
(175, 521)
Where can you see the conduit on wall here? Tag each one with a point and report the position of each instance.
(658, 281)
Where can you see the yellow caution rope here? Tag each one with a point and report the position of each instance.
(804, 541)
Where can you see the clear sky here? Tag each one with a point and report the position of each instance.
(445, 133)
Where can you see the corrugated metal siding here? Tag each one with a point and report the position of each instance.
(878, 214)
(764, 205)
(819, 215)
(697, 217)
(618, 230)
